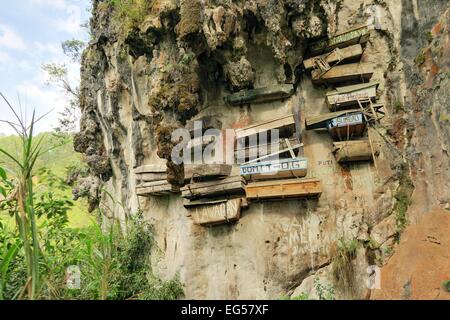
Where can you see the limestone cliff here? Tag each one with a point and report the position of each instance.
(149, 71)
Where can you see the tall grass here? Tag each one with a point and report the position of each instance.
(23, 165)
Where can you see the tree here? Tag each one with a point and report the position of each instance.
(73, 49)
(58, 76)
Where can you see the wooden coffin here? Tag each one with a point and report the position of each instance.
(227, 211)
(152, 168)
(151, 173)
(322, 121)
(156, 188)
(347, 126)
(353, 72)
(347, 38)
(350, 151)
(340, 55)
(227, 187)
(247, 152)
(207, 122)
(343, 97)
(203, 172)
(283, 168)
(285, 124)
(284, 189)
(278, 92)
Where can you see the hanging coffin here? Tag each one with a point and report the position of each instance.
(246, 153)
(282, 168)
(203, 172)
(156, 188)
(351, 151)
(268, 94)
(226, 187)
(353, 72)
(341, 40)
(284, 189)
(222, 212)
(347, 126)
(337, 56)
(343, 97)
(285, 125)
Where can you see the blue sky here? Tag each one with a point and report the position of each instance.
(31, 33)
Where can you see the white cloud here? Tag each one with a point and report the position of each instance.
(72, 23)
(58, 4)
(10, 39)
(52, 48)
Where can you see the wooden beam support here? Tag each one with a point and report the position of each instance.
(284, 189)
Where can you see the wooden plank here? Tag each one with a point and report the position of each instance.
(150, 177)
(156, 190)
(267, 94)
(217, 214)
(350, 151)
(283, 168)
(152, 168)
(321, 121)
(349, 95)
(206, 171)
(287, 122)
(347, 38)
(269, 148)
(229, 186)
(153, 184)
(284, 189)
(356, 72)
(345, 54)
(208, 122)
(276, 153)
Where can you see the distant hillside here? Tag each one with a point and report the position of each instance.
(58, 159)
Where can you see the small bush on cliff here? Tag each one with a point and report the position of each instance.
(447, 285)
(130, 13)
(342, 264)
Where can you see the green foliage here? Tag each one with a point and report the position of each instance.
(302, 296)
(446, 285)
(342, 264)
(398, 106)
(130, 13)
(325, 292)
(73, 49)
(420, 59)
(444, 117)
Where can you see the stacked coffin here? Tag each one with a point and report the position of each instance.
(353, 107)
(260, 95)
(213, 197)
(273, 168)
(337, 59)
(152, 181)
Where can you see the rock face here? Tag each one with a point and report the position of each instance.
(425, 248)
(146, 75)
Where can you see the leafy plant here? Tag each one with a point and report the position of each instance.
(342, 264)
(446, 285)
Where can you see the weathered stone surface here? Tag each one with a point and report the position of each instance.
(179, 65)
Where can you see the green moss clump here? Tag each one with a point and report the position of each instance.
(398, 106)
(447, 285)
(130, 14)
(420, 59)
